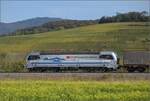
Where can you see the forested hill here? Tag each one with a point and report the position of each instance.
(55, 25)
(6, 28)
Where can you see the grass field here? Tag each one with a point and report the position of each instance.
(45, 90)
(111, 36)
(118, 36)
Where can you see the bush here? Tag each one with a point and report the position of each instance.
(11, 66)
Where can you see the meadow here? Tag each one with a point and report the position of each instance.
(99, 37)
(116, 37)
(53, 90)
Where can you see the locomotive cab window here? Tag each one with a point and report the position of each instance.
(33, 57)
(109, 57)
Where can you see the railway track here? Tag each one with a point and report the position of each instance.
(76, 76)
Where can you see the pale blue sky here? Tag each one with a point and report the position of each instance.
(12, 10)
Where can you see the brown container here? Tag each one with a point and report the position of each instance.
(136, 58)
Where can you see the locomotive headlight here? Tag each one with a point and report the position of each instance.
(107, 65)
(112, 62)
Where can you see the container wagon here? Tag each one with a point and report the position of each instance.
(136, 60)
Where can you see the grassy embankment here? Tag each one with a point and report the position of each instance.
(112, 36)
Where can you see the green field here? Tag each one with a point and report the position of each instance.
(45, 90)
(111, 36)
(118, 36)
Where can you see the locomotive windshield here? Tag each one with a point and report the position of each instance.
(110, 57)
(33, 57)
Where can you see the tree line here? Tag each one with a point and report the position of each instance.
(126, 17)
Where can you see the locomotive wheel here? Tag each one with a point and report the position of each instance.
(140, 69)
(130, 70)
(43, 69)
(103, 69)
(56, 69)
(33, 69)
(30, 69)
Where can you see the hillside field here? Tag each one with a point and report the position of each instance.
(111, 36)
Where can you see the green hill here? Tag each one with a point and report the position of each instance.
(111, 36)
(120, 36)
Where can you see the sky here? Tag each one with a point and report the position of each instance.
(17, 10)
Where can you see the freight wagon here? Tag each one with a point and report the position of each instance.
(136, 60)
